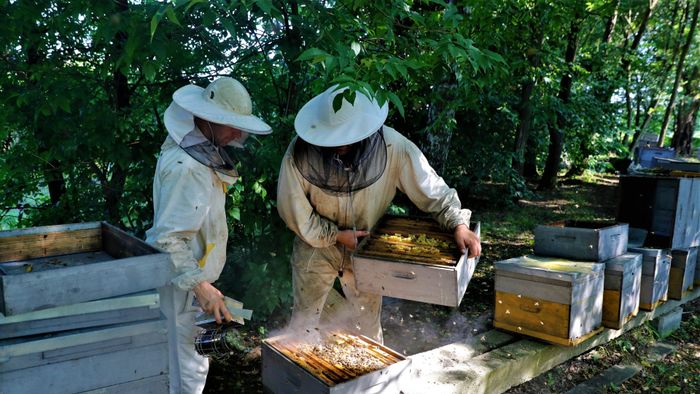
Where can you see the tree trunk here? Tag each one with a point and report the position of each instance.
(556, 132)
(679, 72)
(687, 115)
(113, 187)
(525, 105)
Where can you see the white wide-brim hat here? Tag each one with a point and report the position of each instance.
(318, 124)
(225, 101)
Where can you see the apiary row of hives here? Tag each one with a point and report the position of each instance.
(80, 310)
(583, 276)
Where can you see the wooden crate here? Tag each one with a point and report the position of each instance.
(126, 355)
(667, 207)
(280, 374)
(623, 280)
(122, 309)
(682, 275)
(656, 267)
(46, 267)
(435, 279)
(556, 300)
(580, 240)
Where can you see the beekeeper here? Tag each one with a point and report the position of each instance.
(337, 178)
(189, 193)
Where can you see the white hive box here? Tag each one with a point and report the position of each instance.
(623, 282)
(75, 263)
(582, 240)
(556, 300)
(395, 268)
(656, 267)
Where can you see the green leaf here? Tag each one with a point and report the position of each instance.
(396, 101)
(154, 22)
(314, 54)
(170, 13)
(355, 48)
(337, 102)
(235, 213)
(149, 71)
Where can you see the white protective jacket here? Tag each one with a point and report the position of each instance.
(315, 216)
(190, 219)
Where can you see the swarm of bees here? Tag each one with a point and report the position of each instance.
(349, 357)
(420, 244)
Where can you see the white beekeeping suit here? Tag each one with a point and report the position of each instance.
(189, 195)
(342, 172)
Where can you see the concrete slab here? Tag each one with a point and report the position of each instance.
(614, 375)
(660, 350)
(666, 324)
(451, 369)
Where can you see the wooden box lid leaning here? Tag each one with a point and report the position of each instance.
(74, 263)
(623, 279)
(656, 267)
(338, 363)
(582, 240)
(682, 275)
(415, 259)
(556, 300)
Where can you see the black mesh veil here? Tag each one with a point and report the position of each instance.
(362, 165)
(213, 156)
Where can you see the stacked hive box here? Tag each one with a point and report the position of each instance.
(80, 311)
(682, 275)
(600, 284)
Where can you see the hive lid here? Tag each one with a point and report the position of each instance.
(649, 252)
(627, 262)
(550, 267)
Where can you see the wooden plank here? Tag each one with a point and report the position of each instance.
(509, 365)
(71, 285)
(524, 315)
(27, 244)
(89, 373)
(546, 337)
(153, 385)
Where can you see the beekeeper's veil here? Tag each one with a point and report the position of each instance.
(225, 101)
(357, 127)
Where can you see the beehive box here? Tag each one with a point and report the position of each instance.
(679, 164)
(122, 309)
(623, 279)
(582, 240)
(648, 156)
(696, 282)
(393, 262)
(290, 367)
(656, 267)
(667, 207)
(682, 275)
(114, 359)
(70, 264)
(556, 300)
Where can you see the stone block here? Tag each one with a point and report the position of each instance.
(666, 324)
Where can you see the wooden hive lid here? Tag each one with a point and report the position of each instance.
(550, 268)
(625, 263)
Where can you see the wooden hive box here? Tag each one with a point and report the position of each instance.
(125, 358)
(682, 275)
(286, 369)
(667, 207)
(74, 263)
(400, 269)
(556, 300)
(122, 309)
(582, 240)
(656, 267)
(623, 281)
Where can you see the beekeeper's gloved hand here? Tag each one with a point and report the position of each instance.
(211, 300)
